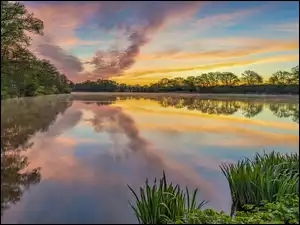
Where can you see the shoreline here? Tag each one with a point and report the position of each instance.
(186, 94)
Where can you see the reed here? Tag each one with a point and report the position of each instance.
(265, 177)
(163, 202)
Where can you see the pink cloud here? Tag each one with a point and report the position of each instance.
(224, 19)
(286, 27)
(60, 20)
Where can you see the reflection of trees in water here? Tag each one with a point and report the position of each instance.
(251, 109)
(286, 110)
(20, 120)
(209, 106)
(248, 107)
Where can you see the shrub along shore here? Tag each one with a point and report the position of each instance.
(264, 190)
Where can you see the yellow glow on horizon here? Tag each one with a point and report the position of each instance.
(150, 76)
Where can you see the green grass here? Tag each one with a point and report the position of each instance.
(163, 202)
(265, 177)
(264, 189)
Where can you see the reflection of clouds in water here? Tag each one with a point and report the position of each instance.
(98, 177)
(91, 186)
(65, 122)
(239, 136)
(141, 146)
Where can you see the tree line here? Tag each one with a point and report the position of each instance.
(219, 82)
(22, 72)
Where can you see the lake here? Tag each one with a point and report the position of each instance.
(69, 158)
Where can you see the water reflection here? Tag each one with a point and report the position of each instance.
(224, 106)
(83, 150)
(286, 111)
(118, 124)
(20, 120)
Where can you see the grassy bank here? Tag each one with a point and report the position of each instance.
(264, 189)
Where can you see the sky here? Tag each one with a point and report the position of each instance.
(143, 42)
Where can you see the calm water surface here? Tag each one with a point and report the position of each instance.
(68, 158)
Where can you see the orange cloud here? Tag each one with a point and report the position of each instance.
(243, 136)
(248, 47)
(132, 76)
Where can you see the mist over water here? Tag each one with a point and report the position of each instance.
(68, 158)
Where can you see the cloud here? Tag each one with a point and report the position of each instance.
(147, 73)
(64, 62)
(60, 21)
(286, 27)
(144, 20)
(237, 47)
(62, 18)
(138, 23)
(224, 19)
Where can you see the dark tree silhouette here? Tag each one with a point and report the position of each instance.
(281, 82)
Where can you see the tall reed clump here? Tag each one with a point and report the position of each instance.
(265, 177)
(163, 202)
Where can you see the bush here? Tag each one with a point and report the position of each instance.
(283, 211)
(266, 177)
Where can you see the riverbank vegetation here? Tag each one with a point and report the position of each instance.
(281, 82)
(264, 190)
(22, 72)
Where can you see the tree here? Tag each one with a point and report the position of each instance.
(22, 73)
(280, 78)
(251, 78)
(190, 83)
(213, 78)
(228, 79)
(295, 75)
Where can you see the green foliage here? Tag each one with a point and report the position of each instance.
(22, 73)
(162, 202)
(283, 211)
(207, 216)
(265, 190)
(266, 177)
